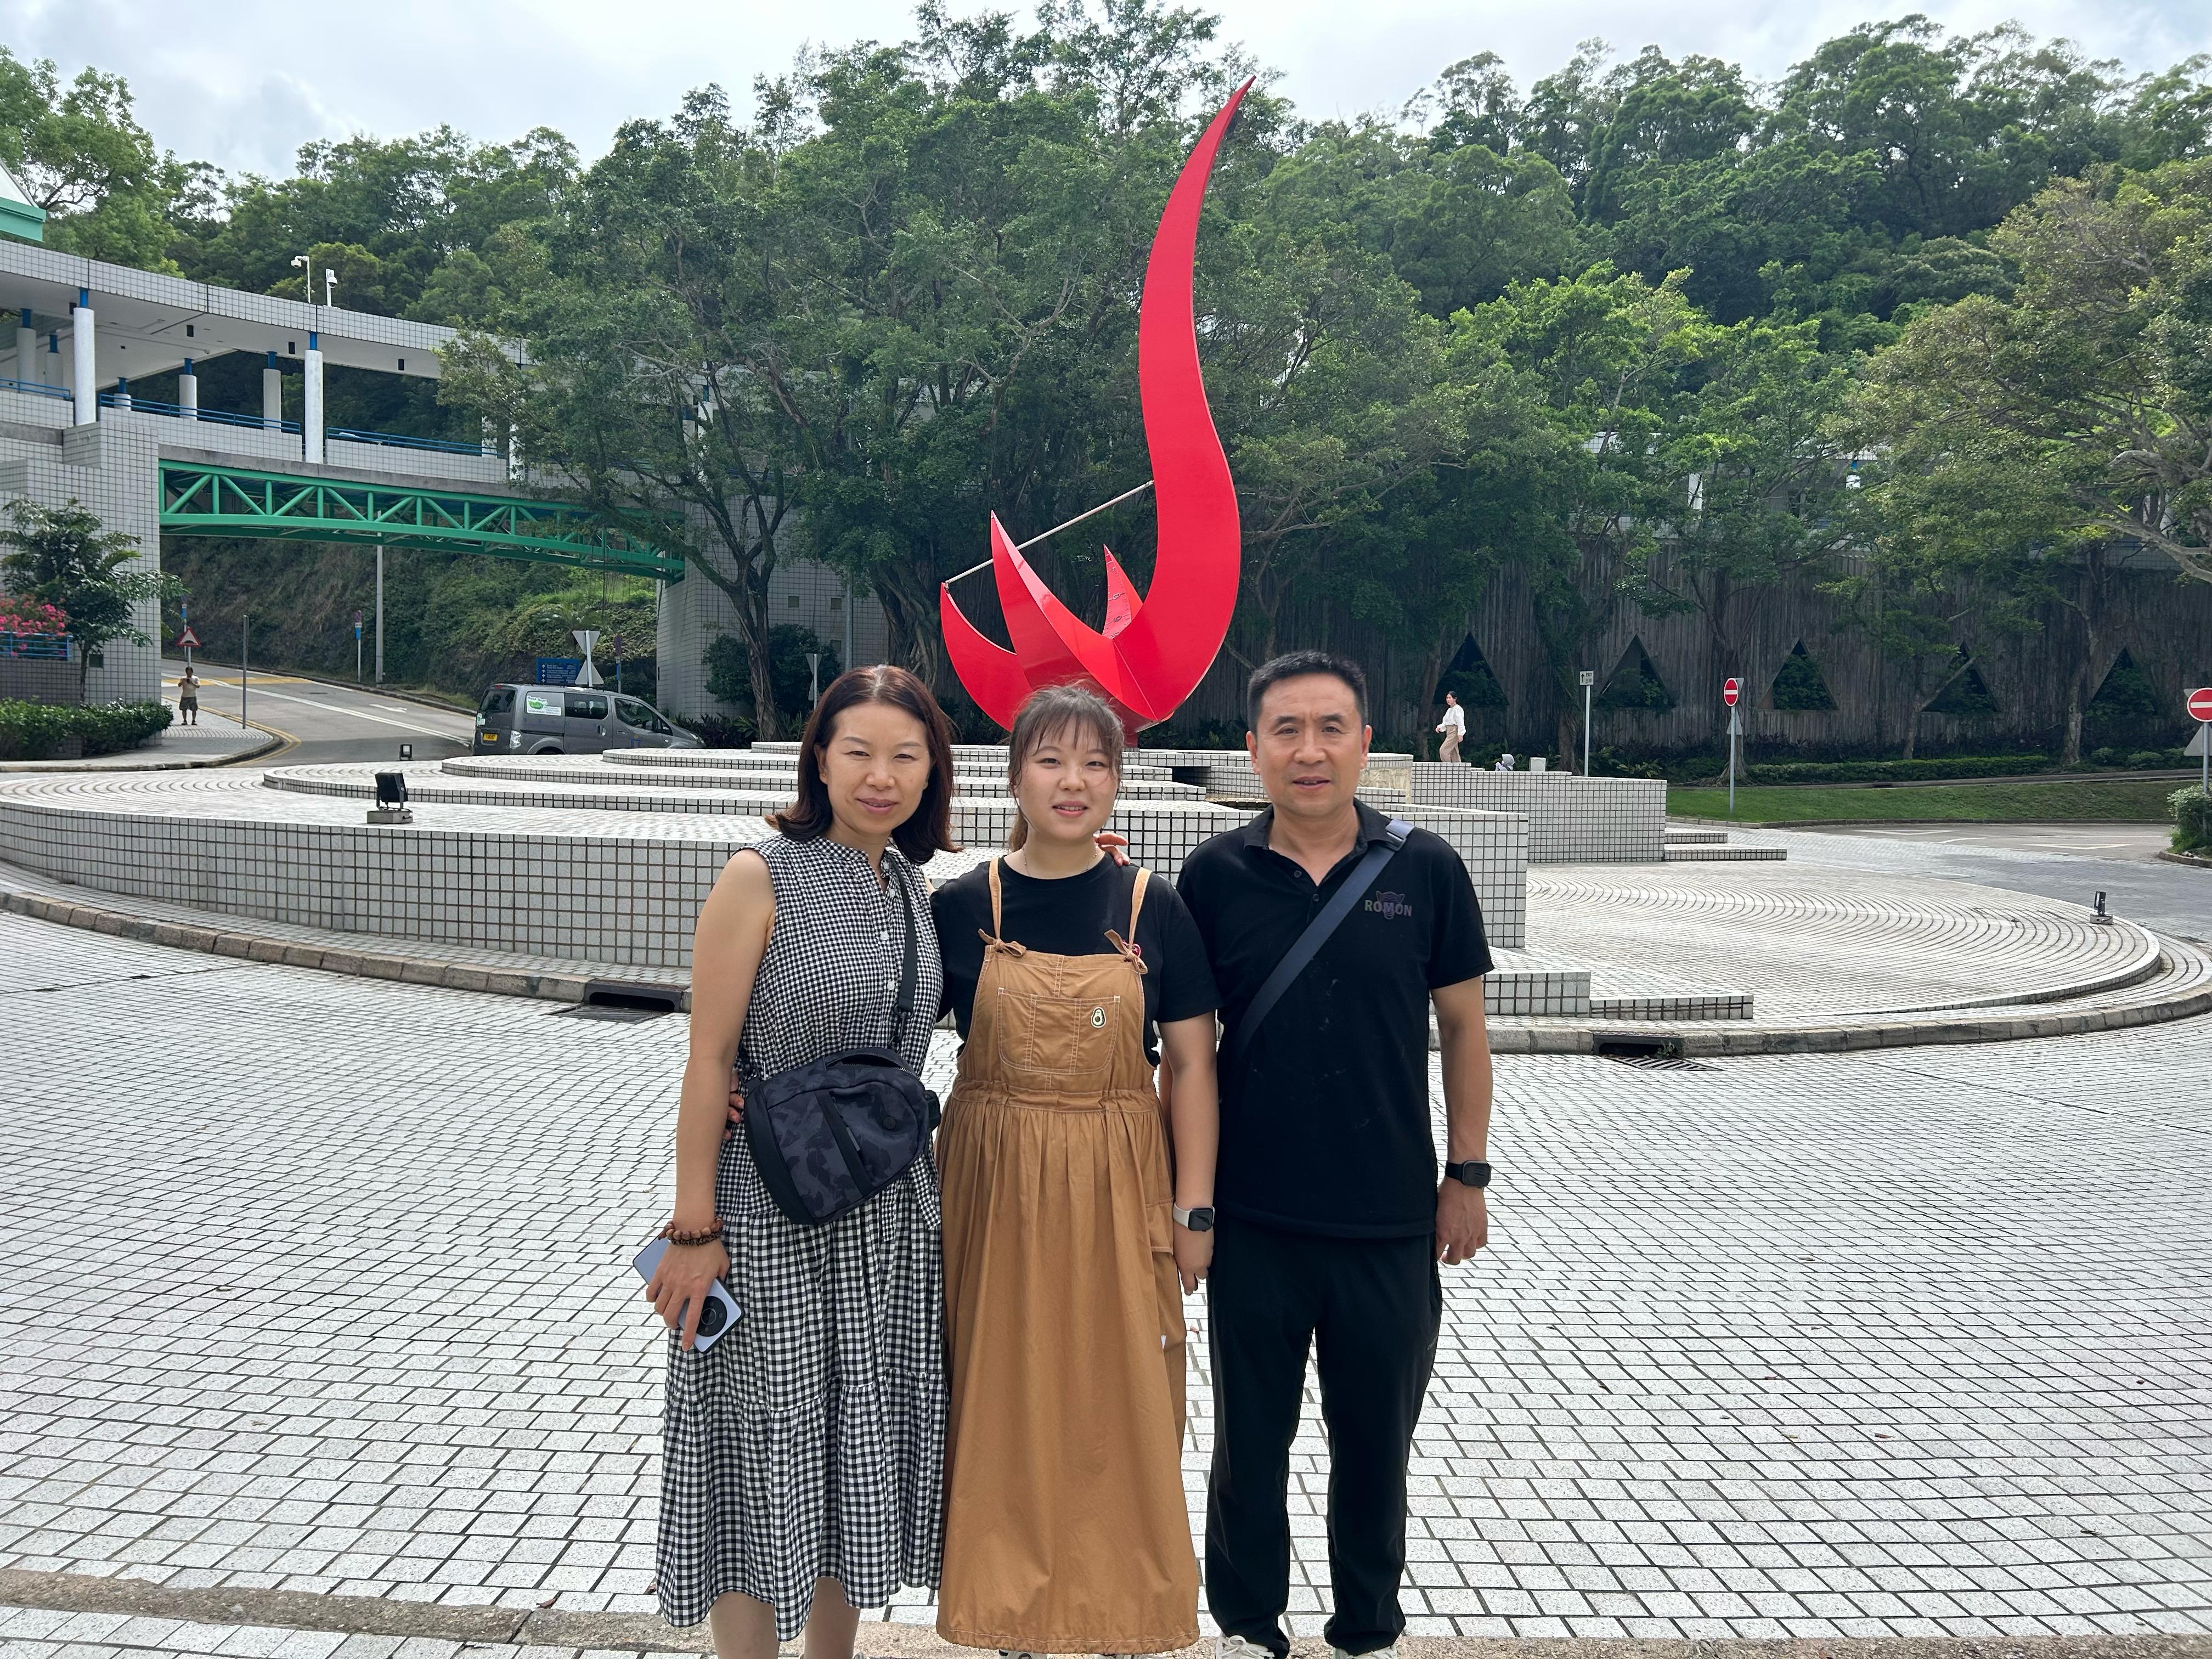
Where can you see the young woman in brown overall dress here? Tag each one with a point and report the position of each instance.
(1071, 1234)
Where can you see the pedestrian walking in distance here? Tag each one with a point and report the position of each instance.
(1332, 931)
(1075, 1215)
(188, 697)
(1453, 726)
(802, 1454)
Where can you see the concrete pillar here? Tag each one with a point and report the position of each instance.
(272, 394)
(311, 404)
(380, 613)
(82, 343)
(188, 391)
(26, 349)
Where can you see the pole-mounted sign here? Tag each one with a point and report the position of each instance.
(1731, 689)
(2200, 706)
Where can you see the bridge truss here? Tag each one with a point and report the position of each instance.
(198, 499)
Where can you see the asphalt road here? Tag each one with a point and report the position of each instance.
(329, 722)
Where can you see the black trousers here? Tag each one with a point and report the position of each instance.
(1370, 1309)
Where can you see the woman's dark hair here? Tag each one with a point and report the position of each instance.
(1297, 665)
(1048, 712)
(930, 829)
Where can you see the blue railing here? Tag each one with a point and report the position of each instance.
(403, 441)
(36, 389)
(215, 416)
(255, 422)
(45, 646)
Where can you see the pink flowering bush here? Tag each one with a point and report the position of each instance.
(31, 619)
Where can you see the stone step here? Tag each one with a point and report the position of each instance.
(1725, 854)
(1696, 837)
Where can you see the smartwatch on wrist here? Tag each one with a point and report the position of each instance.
(1200, 1220)
(1468, 1175)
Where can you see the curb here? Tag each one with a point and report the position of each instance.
(1703, 1041)
(642, 1632)
(278, 741)
(361, 962)
(1890, 824)
(1697, 1039)
(2189, 858)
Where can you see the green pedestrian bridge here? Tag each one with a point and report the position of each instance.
(203, 498)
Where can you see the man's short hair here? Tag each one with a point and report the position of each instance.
(1297, 665)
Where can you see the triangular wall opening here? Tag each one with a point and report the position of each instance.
(1635, 683)
(1468, 677)
(1799, 687)
(1966, 695)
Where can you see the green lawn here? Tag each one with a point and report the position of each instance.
(2129, 800)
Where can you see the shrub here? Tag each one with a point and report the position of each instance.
(39, 731)
(2193, 819)
(1893, 771)
(719, 732)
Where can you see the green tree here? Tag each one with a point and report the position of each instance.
(2032, 437)
(62, 555)
(1763, 484)
(79, 151)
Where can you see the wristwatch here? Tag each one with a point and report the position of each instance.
(1468, 1175)
(1200, 1220)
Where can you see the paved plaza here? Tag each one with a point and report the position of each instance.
(311, 1283)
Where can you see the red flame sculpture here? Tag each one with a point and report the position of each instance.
(1153, 650)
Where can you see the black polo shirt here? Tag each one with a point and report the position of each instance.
(1325, 1121)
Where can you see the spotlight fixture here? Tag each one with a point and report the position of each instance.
(390, 800)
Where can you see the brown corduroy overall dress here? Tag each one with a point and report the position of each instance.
(1065, 1530)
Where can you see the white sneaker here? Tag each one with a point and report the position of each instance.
(1236, 1647)
(1390, 1652)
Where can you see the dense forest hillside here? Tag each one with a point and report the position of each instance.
(1918, 326)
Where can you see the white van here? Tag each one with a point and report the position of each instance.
(566, 719)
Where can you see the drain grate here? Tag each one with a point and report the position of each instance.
(1650, 1054)
(622, 1016)
(1662, 1063)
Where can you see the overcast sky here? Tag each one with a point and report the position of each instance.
(243, 82)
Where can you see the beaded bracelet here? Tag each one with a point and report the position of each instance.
(709, 1234)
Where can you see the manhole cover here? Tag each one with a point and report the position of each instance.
(621, 1016)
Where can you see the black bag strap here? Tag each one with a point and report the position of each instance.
(911, 970)
(1316, 934)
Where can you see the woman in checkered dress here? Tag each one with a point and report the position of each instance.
(803, 1453)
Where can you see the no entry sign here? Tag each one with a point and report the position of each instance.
(2200, 703)
(1730, 688)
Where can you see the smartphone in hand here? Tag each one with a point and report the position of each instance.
(716, 1319)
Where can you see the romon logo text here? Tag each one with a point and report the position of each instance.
(1389, 904)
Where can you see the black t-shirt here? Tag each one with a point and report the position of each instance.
(1325, 1119)
(1069, 917)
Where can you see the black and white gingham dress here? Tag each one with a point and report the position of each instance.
(809, 1442)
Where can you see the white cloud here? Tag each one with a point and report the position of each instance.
(243, 82)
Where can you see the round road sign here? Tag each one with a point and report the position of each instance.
(1729, 691)
(2200, 703)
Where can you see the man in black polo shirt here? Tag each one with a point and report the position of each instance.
(1332, 1220)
